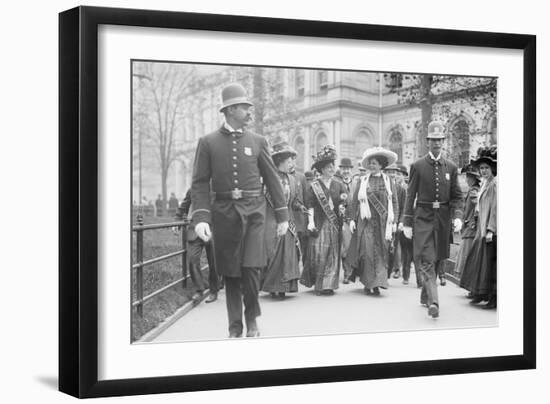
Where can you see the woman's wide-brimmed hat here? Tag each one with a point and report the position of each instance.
(326, 154)
(234, 94)
(385, 156)
(283, 149)
(486, 155)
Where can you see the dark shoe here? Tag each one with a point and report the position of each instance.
(433, 310)
(476, 299)
(396, 275)
(235, 335)
(282, 295)
(212, 297)
(252, 331)
(273, 295)
(491, 304)
(368, 291)
(442, 281)
(197, 296)
(376, 291)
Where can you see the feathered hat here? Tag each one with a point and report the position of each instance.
(326, 154)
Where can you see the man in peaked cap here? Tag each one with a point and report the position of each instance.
(230, 165)
(433, 182)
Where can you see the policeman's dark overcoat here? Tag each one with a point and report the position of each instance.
(225, 161)
(432, 181)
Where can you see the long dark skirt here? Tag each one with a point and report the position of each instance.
(480, 270)
(283, 270)
(372, 267)
(321, 267)
(462, 255)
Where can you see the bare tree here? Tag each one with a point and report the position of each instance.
(163, 99)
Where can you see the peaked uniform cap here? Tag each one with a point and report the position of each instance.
(436, 130)
(234, 94)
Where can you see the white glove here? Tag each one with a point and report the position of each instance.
(400, 226)
(311, 220)
(203, 231)
(282, 228)
(352, 226)
(457, 225)
(408, 231)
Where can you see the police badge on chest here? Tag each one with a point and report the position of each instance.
(248, 151)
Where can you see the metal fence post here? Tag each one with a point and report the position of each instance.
(184, 255)
(139, 270)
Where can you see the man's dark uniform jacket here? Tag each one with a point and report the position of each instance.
(225, 161)
(432, 181)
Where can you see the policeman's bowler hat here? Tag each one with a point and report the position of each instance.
(234, 94)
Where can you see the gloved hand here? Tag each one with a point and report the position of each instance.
(282, 228)
(352, 226)
(394, 227)
(311, 225)
(489, 237)
(400, 226)
(408, 231)
(203, 231)
(457, 224)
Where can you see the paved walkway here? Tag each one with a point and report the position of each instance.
(349, 310)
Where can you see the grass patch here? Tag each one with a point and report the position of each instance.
(155, 276)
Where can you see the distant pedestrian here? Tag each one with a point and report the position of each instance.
(159, 206)
(173, 203)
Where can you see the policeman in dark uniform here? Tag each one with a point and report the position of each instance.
(231, 163)
(433, 182)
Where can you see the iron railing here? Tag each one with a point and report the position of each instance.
(139, 229)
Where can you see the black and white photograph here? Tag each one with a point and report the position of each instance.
(272, 202)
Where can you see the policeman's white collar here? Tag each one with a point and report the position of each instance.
(433, 157)
(230, 129)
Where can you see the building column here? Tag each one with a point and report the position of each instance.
(307, 148)
(336, 125)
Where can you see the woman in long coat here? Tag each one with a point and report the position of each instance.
(282, 272)
(482, 259)
(373, 212)
(324, 197)
(470, 225)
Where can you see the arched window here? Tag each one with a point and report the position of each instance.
(363, 140)
(320, 140)
(396, 143)
(300, 149)
(460, 142)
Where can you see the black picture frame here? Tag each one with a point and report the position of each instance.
(78, 196)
